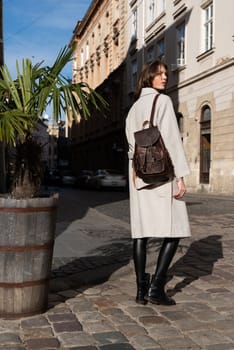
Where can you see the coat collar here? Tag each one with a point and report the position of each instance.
(148, 91)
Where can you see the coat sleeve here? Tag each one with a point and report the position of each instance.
(168, 126)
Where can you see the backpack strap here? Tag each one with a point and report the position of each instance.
(153, 110)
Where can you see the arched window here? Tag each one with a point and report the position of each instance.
(205, 144)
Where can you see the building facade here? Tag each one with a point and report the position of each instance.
(46, 134)
(99, 52)
(191, 38)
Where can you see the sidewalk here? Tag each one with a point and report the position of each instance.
(91, 304)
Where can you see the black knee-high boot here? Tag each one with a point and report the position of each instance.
(157, 294)
(142, 278)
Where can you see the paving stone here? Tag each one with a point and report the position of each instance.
(92, 291)
(160, 331)
(230, 334)
(61, 317)
(118, 346)
(76, 338)
(225, 346)
(119, 317)
(132, 330)
(213, 301)
(176, 315)
(178, 343)
(191, 324)
(84, 306)
(110, 338)
(112, 311)
(140, 311)
(90, 316)
(195, 306)
(223, 325)
(144, 341)
(209, 315)
(73, 326)
(43, 343)
(34, 322)
(9, 338)
(98, 327)
(123, 297)
(208, 337)
(60, 308)
(43, 332)
(104, 302)
(152, 320)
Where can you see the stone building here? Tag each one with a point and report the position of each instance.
(99, 50)
(195, 39)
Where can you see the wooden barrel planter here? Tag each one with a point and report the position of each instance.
(27, 231)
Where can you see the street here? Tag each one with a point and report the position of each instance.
(92, 289)
(95, 224)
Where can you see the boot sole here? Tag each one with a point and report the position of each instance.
(141, 302)
(160, 302)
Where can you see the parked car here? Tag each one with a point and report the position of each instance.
(103, 178)
(68, 178)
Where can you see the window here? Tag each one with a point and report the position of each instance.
(160, 7)
(150, 54)
(161, 49)
(99, 35)
(180, 39)
(87, 51)
(134, 24)
(151, 11)
(81, 57)
(134, 75)
(205, 144)
(208, 27)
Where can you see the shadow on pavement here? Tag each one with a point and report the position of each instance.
(197, 262)
(93, 269)
(74, 204)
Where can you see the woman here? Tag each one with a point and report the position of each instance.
(156, 212)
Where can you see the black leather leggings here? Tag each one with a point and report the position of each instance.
(166, 254)
(139, 257)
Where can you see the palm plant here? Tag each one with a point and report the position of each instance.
(22, 103)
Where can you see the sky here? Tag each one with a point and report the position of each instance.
(39, 29)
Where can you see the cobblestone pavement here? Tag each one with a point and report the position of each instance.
(91, 302)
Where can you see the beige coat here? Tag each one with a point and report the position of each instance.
(154, 212)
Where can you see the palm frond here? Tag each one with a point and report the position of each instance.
(26, 98)
(12, 124)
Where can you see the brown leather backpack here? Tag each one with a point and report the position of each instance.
(151, 160)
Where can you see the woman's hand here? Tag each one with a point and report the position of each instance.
(181, 188)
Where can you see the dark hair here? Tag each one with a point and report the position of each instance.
(147, 75)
